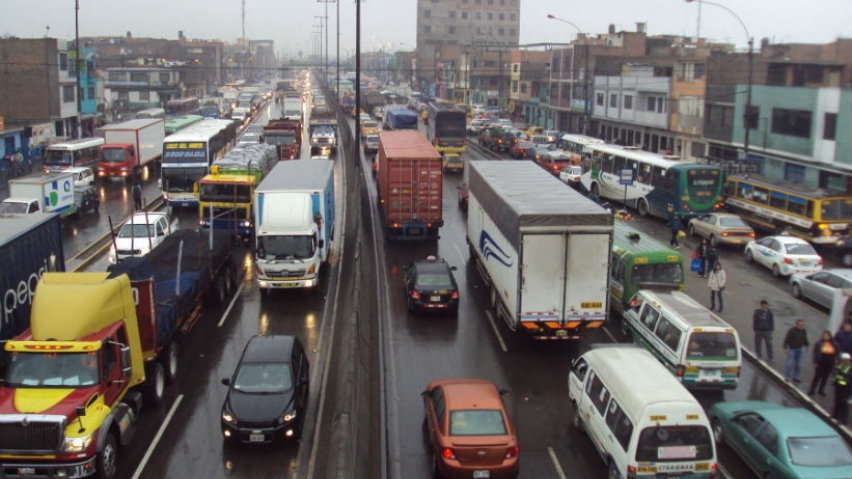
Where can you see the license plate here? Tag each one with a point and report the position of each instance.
(804, 263)
(29, 471)
(710, 373)
(481, 474)
(435, 299)
(256, 437)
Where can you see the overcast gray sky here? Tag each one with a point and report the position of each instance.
(392, 23)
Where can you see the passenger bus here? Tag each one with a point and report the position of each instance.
(151, 113)
(188, 154)
(178, 123)
(640, 261)
(72, 153)
(447, 128)
(574, 145)
(813, 214)
(661, 186)
(183, 106)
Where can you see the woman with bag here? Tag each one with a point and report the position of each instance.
(826, 352)
(716, 281)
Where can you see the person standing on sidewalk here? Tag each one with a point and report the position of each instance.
(826, 351)
(716, 281)
(795, 343)
(763, 324)
(137, 196)
(701, 253)
(842, 381)
(676, 226)
(844, 337)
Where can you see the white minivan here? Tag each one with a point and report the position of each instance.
(642, 421)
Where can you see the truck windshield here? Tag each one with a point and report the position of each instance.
(280, 139)
(13, 208)
(112, 155)
(52, 370)
(229, 192)
(285, 247)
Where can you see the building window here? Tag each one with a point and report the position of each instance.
(652, 103)
(427, 13)
(513, 17)
(479, 2)
(140, 77)
(116, 76)
(613, 100)
(512, 32)
(427, 29)
(776, 75)
(489, 16)
(523, 87)
(628, 102)
(63, 62)
(164, 78)
(464, 2)
(478, 15)
(501, 32)
(490, 2)
(791, 122)
(830, 128)
(661, 105)
(514, 86)
(451, 30)
(464, 15)
(501, 17)
(144, 96)
(515, 67)
(502, 3)
(700, 70)
(68, 93)
(452, 14)
(90, 67)
(90, 93)
(599, 99)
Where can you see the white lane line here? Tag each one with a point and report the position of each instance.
(496, 332)
(724, 472)
(606, 330)
(559, 471)
(458, 250)
(157, 438)
(233, 300)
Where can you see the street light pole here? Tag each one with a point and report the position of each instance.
(77, 64)
(586, 98)
(747, 115)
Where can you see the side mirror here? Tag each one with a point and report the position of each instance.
(80, 411)
(126, 362)
(453, 268)
(321, 243)
(505, 392)
(226, 381)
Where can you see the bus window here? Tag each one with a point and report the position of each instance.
(778, 200)
(618, 164)
(668, 333)
(836, 210)
(672, 180)
(617, 270)
(745, 191)
(658, 177)
(606, 164)
(731, 188)
(761, 195)
(796, 205)
(649, 317)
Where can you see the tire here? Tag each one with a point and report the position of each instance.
(107, 461)
(217, 293)
(748, 256)
(494, 297)
(718, 433)
(776, 271)
(846, 259)
(171, 362)
(611, 472)
(642, 207)
(796, 290)
(575, 420)
(155, 384)
(596, 190)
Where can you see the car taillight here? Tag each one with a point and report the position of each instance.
(820, 261)
(511, 452)
(751, 235)
(415, 295)
(788, 261)
(713, 471)
(448, 453)
(455, 295)
(679, 372)
(725, 233)
(631, 472)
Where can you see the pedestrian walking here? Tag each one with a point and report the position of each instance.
(712, 256)
(716, 281)
(795, 343)
(763, 324)
(18, 162)
(844, 337)
(137, 196)
(701, 253)
(842, 381)
(676, 226)
(825, 354)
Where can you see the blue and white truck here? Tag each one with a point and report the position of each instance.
(295, 224)
(400, 119)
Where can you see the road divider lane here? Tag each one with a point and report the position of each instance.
(496, 331)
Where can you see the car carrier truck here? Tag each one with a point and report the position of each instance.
(542, 248)
(100, 345)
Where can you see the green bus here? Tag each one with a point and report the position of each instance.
(640, 261)
(175, 124)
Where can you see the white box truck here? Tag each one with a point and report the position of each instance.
(295, 221)
(130, 146)
(542, 248)
(46, 193)
(292, 108)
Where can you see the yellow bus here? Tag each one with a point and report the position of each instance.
(813, 214)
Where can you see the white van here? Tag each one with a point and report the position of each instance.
(698, 347)
(641, 420)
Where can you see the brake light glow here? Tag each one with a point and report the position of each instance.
(511, 452)
(455, 295)
(415, 295)
(448, 453)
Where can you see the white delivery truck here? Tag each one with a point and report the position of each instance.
(46, 193)
(543, 249)
(295, 221)
(130, 146)
(292, 108)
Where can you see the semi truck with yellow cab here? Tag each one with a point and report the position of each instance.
(99, 347)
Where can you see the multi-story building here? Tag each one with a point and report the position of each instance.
(529, 90)
(140, 87)
(472, 25)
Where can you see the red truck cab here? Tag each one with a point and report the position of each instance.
(116, 160)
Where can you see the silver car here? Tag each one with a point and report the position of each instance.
(820, 287)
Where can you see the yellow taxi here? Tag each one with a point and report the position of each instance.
(453, 163)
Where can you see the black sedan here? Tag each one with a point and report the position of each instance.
(268, 393)
(430, 286)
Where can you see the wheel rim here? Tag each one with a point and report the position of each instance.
(109, 461)
(749, 257)
(847, 260)
(643, 208)
(613, 474)
(576, 417)
(173, 360)
(596, 190)
(797, 292)
(776, 271)
(159, 382)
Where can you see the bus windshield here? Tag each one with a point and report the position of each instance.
(57, 157)
(719, 345)
(182, 180)
(658, 275)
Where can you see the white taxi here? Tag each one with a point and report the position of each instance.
(784, 255)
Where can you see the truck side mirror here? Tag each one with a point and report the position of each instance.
(226, 381)
(321, 244)
(132, 151)
(126, 362)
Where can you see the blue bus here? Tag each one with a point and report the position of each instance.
(447, 128)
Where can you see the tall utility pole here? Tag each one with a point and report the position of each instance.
(357, 144)
(77, 64)
(337, 61)
(325, 71)
(322, 60)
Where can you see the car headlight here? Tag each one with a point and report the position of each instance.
(229, 418)
(77, 444)
(287, 417)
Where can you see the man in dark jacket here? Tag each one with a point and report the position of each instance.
(842, 381)
(763, 324)
(844, 337)
(795, 343)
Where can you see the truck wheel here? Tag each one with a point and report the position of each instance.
(107, 462)
(642, 207)
(170, 361)
(219, 294)
(155, 384)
